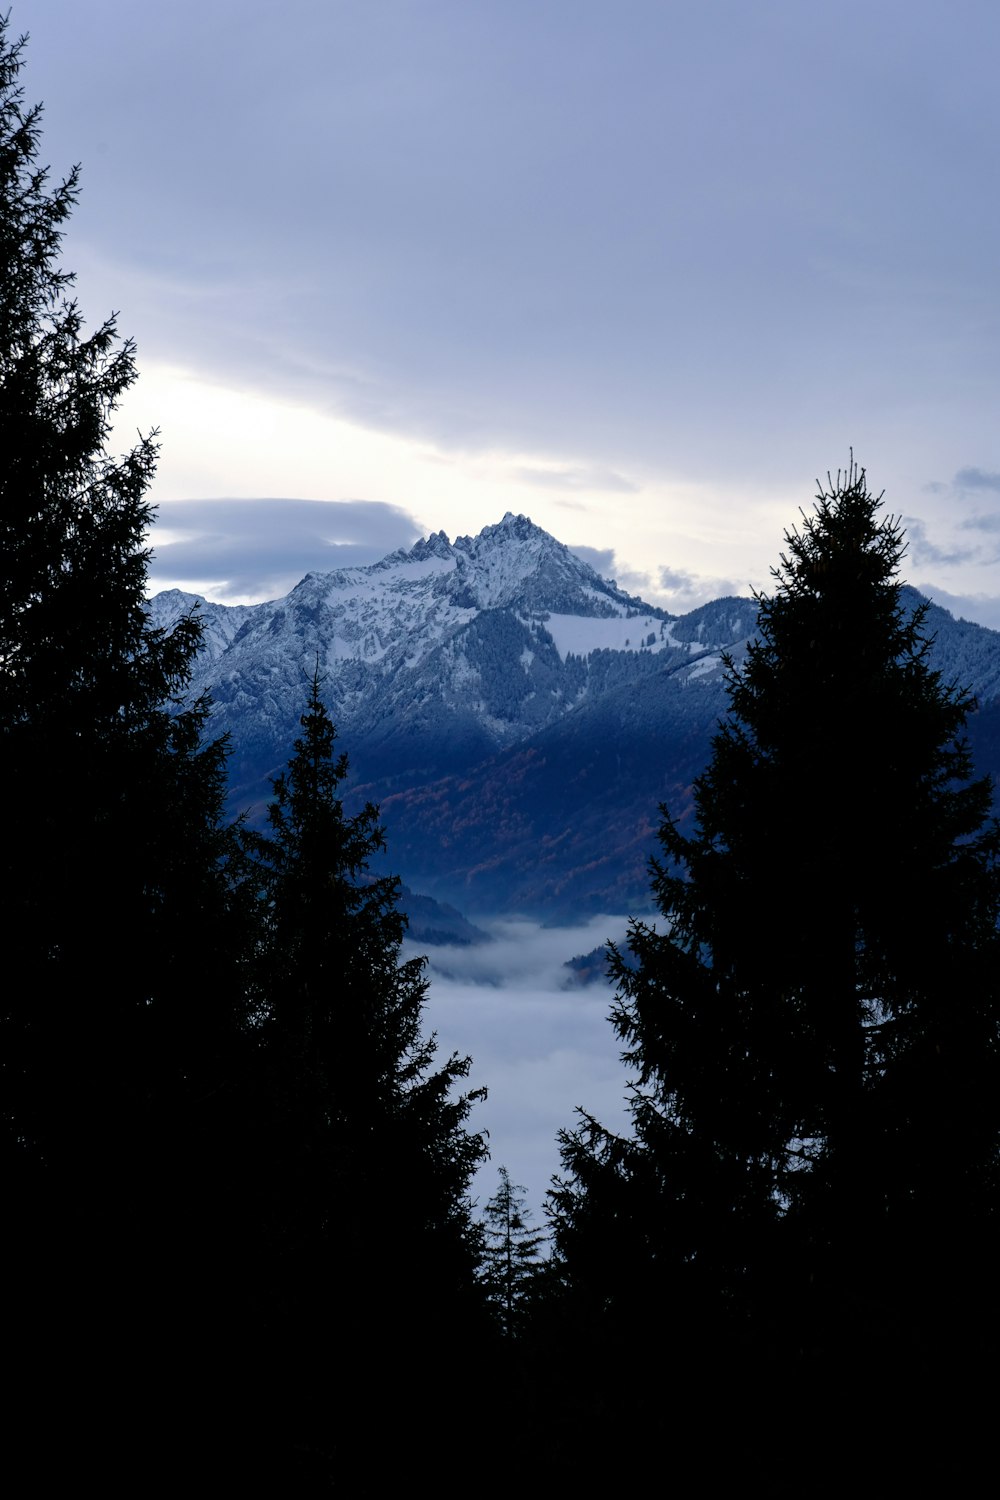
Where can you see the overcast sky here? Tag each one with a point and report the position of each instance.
(640, 269)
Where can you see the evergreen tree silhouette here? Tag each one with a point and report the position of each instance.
(511, 1260)
(111, 819)
(118, 1023)
(813, 1025)
(364, 1162)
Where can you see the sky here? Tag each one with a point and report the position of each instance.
(640, 270)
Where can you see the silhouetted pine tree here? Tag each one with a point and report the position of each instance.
(511, 1260)
(115, 1029)
(364, 1163)
(813, 1027)
(112, 803)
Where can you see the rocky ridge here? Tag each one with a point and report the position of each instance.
(518, 717)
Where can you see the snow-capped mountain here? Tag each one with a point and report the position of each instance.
(518, 717)
(435, 657)
(395, 612)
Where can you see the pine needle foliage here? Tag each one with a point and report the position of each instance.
(511, 1258)
(370, 1158)
(812, 1022)
(118, 1030)
(112, 842)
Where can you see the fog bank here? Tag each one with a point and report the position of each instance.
(541, 1044)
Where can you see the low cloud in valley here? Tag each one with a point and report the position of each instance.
(541, 1044)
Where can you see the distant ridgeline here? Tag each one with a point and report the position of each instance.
(519, 718)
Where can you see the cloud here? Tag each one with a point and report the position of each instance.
(677, 579)
(924, 553)
(601, 559)
(976, 479)
(965, 480)
(540, 1049)
(524, 955)
(440, 263)
(258, 549)
(674, 589)
(605, 561)
(684, 590)
(578, 479)
(681, 591)
(990, 522)
(634, 581)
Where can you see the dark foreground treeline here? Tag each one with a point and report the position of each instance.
(239, 1248)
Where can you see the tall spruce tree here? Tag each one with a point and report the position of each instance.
(112, 804)
(511, 1259)
(813, 1025)
(362, 1172)
(115, 1028)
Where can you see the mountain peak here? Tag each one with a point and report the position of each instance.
(435, 545)
(519, 526)
(513, 528)
(515, 563)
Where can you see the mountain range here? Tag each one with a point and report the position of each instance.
(518, 718)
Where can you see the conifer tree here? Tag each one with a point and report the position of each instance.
(365, 1148)
(111, 833)
(813, 1025)
(119, 1026)
(511, 1252)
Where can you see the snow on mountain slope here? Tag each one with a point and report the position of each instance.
(220, 622)
(578, 635)
(433, 657)
(411, 601)
(518, 717)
